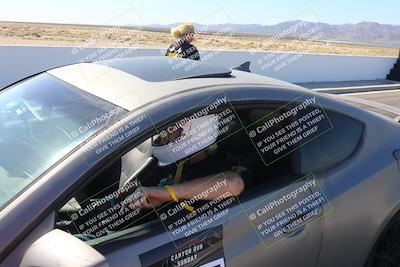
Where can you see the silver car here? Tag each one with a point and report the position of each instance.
(82, 144)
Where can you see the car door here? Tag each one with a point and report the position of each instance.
(280, 225)
(261, 237)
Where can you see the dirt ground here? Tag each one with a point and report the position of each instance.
(94, 36)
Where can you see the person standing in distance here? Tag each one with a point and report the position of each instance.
(182, 47)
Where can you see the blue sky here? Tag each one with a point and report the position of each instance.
(206, 11)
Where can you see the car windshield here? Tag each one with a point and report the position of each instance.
(41, 120)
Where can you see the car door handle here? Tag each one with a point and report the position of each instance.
(295, 230)
(298, 229)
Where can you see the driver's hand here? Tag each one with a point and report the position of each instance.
(148, 198)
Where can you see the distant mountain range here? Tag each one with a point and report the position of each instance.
(363, 32)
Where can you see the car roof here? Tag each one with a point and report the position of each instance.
(128, 82)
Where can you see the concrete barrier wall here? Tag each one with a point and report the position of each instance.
(18, 62)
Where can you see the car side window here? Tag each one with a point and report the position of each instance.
(332, 147)
(202, 163)
(97, 209)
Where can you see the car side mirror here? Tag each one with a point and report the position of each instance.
(58, 248)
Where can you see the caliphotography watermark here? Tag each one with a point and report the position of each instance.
(208, 207)
(303, 33)
(212, 121)
(290, 209)
(97, 121)
(132, 126)
(288, 128)
(105, 45)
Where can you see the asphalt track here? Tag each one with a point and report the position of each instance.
(381, 96)
(388, 97)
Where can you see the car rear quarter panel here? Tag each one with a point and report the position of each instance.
(364, 192)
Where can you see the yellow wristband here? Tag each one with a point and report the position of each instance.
(174, 198)
(171, 193)
(187, 207)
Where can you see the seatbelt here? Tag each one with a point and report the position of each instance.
(176, 179)
(178, 173)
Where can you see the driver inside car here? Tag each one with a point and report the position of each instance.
(189, 167)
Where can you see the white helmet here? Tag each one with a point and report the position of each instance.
(190, 137)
